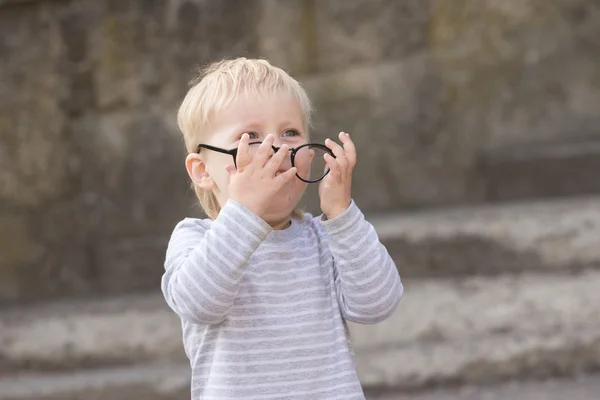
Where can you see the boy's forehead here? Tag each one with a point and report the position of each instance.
(251, 109)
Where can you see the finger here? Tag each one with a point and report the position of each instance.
(243, 158)
(273, 165)
(349, 148)
(338, 151)
(264, 151)
(335, 171)
(287, 175)
(230, 169)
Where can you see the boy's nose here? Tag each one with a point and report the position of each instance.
(279, 148)
(277, 142)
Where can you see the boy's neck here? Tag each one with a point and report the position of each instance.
(278, 226)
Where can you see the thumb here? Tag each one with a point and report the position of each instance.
(230, 170)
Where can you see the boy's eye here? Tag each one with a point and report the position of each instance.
(291, 132)
(253, 135)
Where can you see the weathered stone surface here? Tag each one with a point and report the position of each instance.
(91, 171)
(526, 170)
(308, 36)
(91, 334)
(152, 382)
(581, 387)
(287, 35)
(170, 382)
(395, 114)
(485, 74)
(366, 31)
(19, 249)
(517, 70)
(483, 329)
(546, 238)
(467, 330)
(541, 236)
(489, 75)
(92, 178)
(36, 163)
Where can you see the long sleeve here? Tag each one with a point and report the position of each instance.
(367, 281)
(205, 262)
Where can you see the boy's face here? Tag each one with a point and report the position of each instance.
(276, 114)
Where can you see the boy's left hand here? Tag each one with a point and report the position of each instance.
(335, 188)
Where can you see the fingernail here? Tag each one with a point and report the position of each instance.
(347, 134)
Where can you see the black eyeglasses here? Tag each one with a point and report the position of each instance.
(313, 153)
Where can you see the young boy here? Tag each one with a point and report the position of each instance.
(263, 291)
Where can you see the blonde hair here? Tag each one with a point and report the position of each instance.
(215, 88)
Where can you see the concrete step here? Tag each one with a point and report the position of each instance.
(546, 236)
(530, 236)
(484, 329)
(74, 335)
(476, 329)
(541, 169)
(150, 382)
(170, 382)
(585, 387)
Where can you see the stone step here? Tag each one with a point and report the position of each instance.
(492, 239)
(475, 329)
(583, 387)
(70, 336)
(151, 382)
(541, 169)
(545, 236)
(484, 329)
(170, 382)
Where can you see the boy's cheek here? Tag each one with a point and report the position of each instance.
(223, 179)
(220, 176)
(302, 165)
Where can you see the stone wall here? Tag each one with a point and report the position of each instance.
(91, 163)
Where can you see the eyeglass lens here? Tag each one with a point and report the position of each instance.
(308, 160)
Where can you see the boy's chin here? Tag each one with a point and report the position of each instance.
(278, 216)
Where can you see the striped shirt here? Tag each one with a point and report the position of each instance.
(263, 311)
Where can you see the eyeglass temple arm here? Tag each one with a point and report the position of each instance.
(218, 149)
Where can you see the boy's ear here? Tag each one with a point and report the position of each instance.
(196, 169)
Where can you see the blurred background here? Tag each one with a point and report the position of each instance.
(477, 124)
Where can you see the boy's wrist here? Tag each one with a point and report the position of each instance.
(336, 212)
(248, 206)
(334, 224)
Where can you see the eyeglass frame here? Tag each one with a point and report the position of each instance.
(294, 150)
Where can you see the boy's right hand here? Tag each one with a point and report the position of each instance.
(254, 183)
